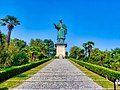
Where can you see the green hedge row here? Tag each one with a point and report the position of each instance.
(10, 72)
(105, 72)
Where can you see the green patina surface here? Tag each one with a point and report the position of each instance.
(62, 31)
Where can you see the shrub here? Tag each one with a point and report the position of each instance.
(42, 56)
(19, 58)
(10, 72)
(105, 72)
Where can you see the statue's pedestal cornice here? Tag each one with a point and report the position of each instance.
(61, 44)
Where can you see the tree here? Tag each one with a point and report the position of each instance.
(102, 57)
(50, 45)
(1, 38)
(38, 49)
(11, 22)
(81, 54)
(66, 54)
(115, 51)
(33, 51)
(20, 58)
(2, 49)
(38, 43)
(85, 47)
(116, 57)
(19, 43)
(74, 51)
(95, 56)
(88, 47)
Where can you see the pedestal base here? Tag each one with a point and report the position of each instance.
(60, 50)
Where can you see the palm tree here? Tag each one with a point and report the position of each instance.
(85, 47)
(11, 22)
(33, 51)
(90, 45)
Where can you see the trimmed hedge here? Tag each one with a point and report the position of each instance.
(102, 71)
(10, 72)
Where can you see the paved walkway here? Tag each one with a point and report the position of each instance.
(59, 74)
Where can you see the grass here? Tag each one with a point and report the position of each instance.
(19, 79)
(108, 85)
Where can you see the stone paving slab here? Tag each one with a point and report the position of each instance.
(42, 74)
(60, 78)
(59, 75)
(59, 85)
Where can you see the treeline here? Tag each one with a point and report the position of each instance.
(14, 52)
(109, 59)
(20, 53)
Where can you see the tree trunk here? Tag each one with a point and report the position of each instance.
(102, 63)
(88, 54)
(32, 57)
(8, 38)
(118, 68)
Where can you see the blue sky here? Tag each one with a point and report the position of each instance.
(95, 20)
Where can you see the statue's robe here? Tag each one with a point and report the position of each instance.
(62, 31)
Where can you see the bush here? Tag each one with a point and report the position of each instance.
(105, 72)
(19, 58)
(42, 56)
(10, 72)
(56, 57)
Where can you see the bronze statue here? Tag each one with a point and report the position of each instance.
(62, 31)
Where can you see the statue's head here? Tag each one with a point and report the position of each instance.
(60, 20)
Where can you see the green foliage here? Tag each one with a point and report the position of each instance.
(3, 53)
(77, 53)
(66, 54)
(10, 72)
(95, 56)
(19, 58)
(11, 22)
(42, 56)
(41, 49)
(109, 59)
(36, 47)
(37, 43)
(16, 52)
(19, 43)
(2, 39)
(105, 72)
(50, 44)
(74, 51)
(88, 47)
(32, 53)
(19, 53)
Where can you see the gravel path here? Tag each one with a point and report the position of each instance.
(59, 74)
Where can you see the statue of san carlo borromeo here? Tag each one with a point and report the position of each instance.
(62, 31)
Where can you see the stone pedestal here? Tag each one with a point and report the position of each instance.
(60, 50)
